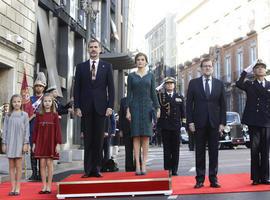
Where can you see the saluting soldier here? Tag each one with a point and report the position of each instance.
(257, 116)
(171, 120)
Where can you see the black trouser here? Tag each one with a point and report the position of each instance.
(259, 140)
(106, 148)
(191, 141)
(211, 136)
(129, 159)
(171, 145)
(93, 141)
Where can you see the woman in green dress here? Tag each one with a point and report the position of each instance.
(142, 106)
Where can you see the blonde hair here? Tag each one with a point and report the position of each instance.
(53, 107)
(11, 108)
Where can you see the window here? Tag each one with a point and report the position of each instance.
(241, 102)
(182, 85)
(229, 102)
(217, 68)
(252, 52)
(189, 76)
(228, 68)
(239, 61)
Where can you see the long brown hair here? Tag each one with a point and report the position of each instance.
(53, 107)
(11, 108)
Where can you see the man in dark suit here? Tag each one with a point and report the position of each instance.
(257, 116)
(93, 101)
(171, 120)
(124, 126)
(206, 116)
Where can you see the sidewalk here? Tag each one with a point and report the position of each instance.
(59, 167)
(73, 162)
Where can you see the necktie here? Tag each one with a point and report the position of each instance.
(207, 88)
(261, 83)
(93, 70)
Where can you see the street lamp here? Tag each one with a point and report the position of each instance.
(91, 8)
(14, 37)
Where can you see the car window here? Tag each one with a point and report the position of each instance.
(232, 118)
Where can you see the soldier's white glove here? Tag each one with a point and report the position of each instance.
(249, 69)
(183, 129)
(160, 86)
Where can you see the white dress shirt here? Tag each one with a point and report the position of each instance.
(96, 65)
(263, 82)
(209, 82)
(170, 94)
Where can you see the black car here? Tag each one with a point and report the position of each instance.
(234, 133)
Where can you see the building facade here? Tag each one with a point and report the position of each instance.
(235, 34)
(229, 62)
(161, 48)
(54, 36)
(17, 45)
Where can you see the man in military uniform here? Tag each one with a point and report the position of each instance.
(39, 87)
(257, 116)
(170, 122)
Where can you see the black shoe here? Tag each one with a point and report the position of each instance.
(198, 185)
(255, 182)
(34, 177)
(95, 174)
(266, 182)
(215, 185)
(174, 174)
(42, 192)
(85, 176)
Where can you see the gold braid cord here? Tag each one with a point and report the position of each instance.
(161, 98)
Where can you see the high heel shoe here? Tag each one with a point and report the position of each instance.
(143, 173)
(138, 173)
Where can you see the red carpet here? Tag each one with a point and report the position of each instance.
(181, 185)
(29, 191)
(230, 183)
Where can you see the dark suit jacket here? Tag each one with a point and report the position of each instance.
(172, 111)
(257, 109)
(124, 124)
(99, 92)
(199, 108)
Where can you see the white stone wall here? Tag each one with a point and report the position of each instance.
(18, 18)
(212, 22)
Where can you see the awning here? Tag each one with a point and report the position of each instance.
(50, 57)
(119, 61)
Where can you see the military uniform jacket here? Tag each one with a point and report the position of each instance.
(257, 109)
(172, 111)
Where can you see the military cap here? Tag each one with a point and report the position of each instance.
(169, 80)
(259, 62)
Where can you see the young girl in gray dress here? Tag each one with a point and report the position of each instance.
(15, 141)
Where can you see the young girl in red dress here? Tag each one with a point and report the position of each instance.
(46, 140)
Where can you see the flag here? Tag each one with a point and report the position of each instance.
(26, 103)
